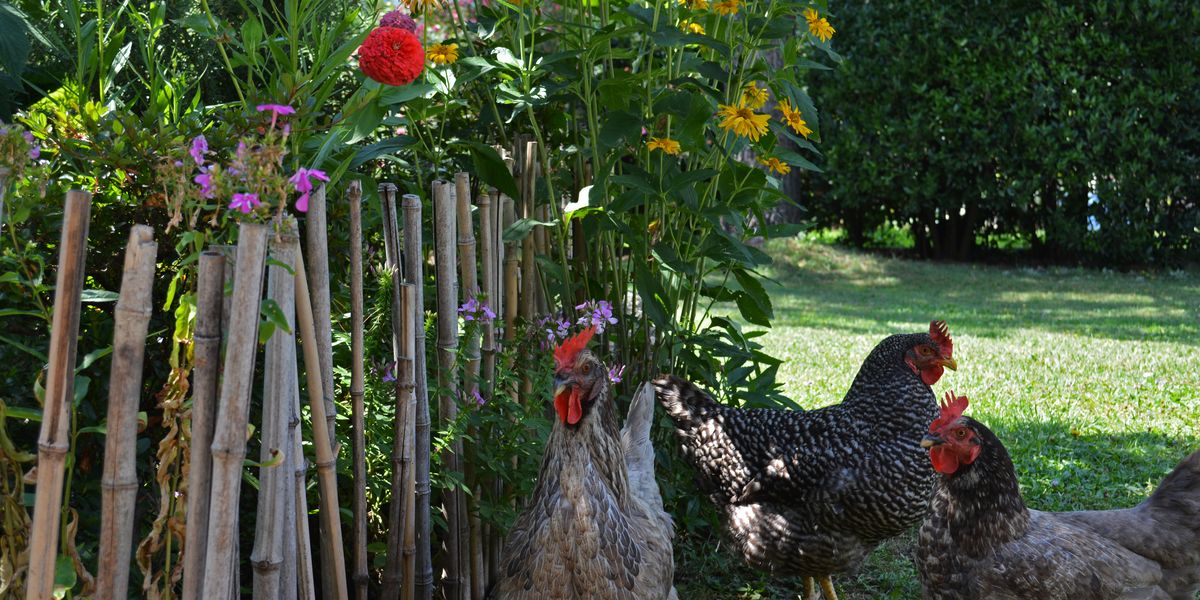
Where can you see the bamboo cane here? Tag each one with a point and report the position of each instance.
(487, 255)
(307, 588)
(318, 275)
(407, 384)
(511, 266)
(392, 574)
(4, 173)
(229, 437)
(119, 482)
(210, 293)
(326, 474)
(471, 528)
(279, 374)
(357, 407)
(414, 269)
(54, 440)
(447, 324)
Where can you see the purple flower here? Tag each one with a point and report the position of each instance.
(206, 184)
(389, 374)
(596, 313)
(473, 310)
(276, 109)
(396, 18)
(244, 202)
(615, 373)
(479, 401)
(34, 152)
(302, 180)
(241, 151)
(199, 148)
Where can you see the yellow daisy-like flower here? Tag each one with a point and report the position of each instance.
(442, 54)
(818, 25)
(690, 27)
(743, 121)
(754, 96)
(418, 6)
(667, 145)
(694, 4)
(727, 7)
(775, 165)
(792, 117)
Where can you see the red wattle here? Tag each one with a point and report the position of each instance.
(560, 405)
(931, 375)
(576, 409)
(944, 460)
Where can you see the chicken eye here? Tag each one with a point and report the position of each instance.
(960, 434)
(924, 350)
(587, 368)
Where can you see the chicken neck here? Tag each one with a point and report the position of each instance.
(982, 500)
(591, 448)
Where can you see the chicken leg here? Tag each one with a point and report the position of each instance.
(827, 588)
(810, 589)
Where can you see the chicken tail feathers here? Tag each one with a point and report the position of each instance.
(1179, 492)
(639, 455)
(687, 404)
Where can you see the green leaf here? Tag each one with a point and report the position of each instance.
(14, 40)
(492, 170)
(24, 348)
(753, 302)
(391, 145)
(796, 160)
(519, 230)
(64, 576)
(20, 412)
(619, 128)
(92, 357)
(98, 296)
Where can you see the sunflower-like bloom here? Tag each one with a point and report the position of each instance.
(776, 165)
(792, 117)
(695, 4)
(443, 54)
(754, 96)
(667, 145)
(419, 6)
(727, 7)
(391, 55)
(743, 121)
(818, 25)
(690, 27)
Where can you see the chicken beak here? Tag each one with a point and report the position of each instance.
(930, 440)
(949, 363)
(560, 384)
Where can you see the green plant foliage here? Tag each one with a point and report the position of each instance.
(1068, 125)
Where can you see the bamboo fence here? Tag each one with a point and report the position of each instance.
(414, 270)
(407, 385)
(470, 535)
(54, 439)
(357, 408)
(119, 483)
(392, 574)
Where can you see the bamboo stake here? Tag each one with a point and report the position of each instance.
(407, 383)
(470, 528)
(4, 173)
(326, 474)
(392, 574)
(229, 437)
(357, 407)
(318, 264)
(279, 374)
(54, 440)
(447, 325)
(119, 483)
(511, 266)
(210, 292)
(487, 255)
(414, 269)
(307, 588)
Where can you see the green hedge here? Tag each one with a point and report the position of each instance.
(1074, 128)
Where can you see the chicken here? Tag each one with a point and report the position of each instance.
(595, 527)
(812, 493)
(981, 541)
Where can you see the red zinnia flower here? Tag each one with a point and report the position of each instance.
(392, 56)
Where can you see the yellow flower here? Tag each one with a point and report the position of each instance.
(818, 25)
(775, 165)
(690, 27)
(695, 4)
(443, 54)
(754, 96)
(793, 118)
(743, 121)
(727, 7)
(667, 145)
(419, 6)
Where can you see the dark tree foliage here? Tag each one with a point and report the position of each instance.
(1072, 127)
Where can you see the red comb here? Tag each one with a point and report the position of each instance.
(941, 336)
(952, 408)
(564, 355)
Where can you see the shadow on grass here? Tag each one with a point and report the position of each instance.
(863, 293)
(1059, 470)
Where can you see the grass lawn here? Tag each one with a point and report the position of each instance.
(1091, 379)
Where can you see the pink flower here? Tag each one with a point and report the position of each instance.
(204, 180)
(244, 202)
(396, 18)
(199, 148)
(276, 109)
(302, 181)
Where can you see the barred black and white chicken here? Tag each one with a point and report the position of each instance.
(811, 493)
